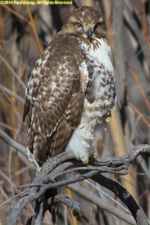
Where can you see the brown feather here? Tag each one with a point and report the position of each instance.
(63, 94)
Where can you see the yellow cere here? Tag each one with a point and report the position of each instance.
(88, 26)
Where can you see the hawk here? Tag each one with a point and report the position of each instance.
(71, 90)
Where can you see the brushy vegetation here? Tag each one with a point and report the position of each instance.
(24, 31)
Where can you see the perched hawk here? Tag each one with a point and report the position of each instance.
(71, 90)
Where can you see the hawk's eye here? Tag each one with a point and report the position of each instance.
(97, 25)
(78, 25)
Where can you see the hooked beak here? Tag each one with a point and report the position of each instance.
(89, 34)
(89, 31)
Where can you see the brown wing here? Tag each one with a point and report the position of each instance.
(54, 100)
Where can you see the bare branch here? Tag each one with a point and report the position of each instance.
(13, 72)
(43, 206)
(58, 166)
(124, 195)
(118, 51)
(103, 205)
(19, 149)
(125, 159)
(17, 97)
(49, 179)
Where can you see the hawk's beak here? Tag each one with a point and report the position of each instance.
(89, 31)
(89, 34)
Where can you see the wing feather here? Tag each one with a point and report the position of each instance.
(54, 100)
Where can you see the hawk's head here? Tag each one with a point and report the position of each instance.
(86, 22)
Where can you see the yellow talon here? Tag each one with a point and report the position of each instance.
(90, 153)
(85, 161)
(108, 118)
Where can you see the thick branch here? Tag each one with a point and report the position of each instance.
(19, 149)
(49, 179)
(124, 195)
(12, 143)
(42, 207)
(125, 159)
(103, 205)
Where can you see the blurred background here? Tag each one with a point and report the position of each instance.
(25, 31)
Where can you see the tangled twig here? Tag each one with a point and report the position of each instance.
(58, 171)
